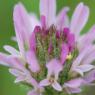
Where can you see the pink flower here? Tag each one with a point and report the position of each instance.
(54, 67)
(51, 50)
(79, 19)
(83, 62)
(32, 61)
(37, 89)
(87, 39)
(64, 52)
(21, 75)
(89, 78)
(22, 27)
(73, 86)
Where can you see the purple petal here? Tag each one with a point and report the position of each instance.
(11, 61)
(79, 71)
(34, 21)
(79, 19)
(86, 68)
(71, 41)
(24, 75)
(16, 63)
(21, 75)
(83, 68)
(58, 34)
(19, 79)
(37, 29)
(22, 26)
(75, 83)
(11, 50)
(44, 82)
(33, 42)
(32, 61)
(86, 39)
(62, 19)
(66, 32)
(90, 59)
(50, 49)
(64, 53)
(75, 90)
(57, 86)
(54, 67)
(83, 54)
(32, 81)
(90, 77)
(4, 60)
(16, 72)
(48, 9)
(43, 21)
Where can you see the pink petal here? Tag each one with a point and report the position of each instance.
(74, 83)
(79, 19)
(71, 41)
(90, 77)
(33, 42)
(16, 63)
(22, 26)
(57, 86)
(31, 80)
(75, 90)
(19, 79)
(83, 68)
(90, 59)
(43, 21)
(16, 72)
(78, 71)
(64, 53)
(4, 60)
(62, 19)
(11, 61)
(11, 50)
(44, 82)
(83, 55)
(86, 68)
(86, 39)
(54, 67)
(90, 36)
(48, 9)
(50, 48)
(32, 61)
(24, 75)
(34, 21)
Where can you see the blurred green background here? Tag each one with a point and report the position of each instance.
(7, 87)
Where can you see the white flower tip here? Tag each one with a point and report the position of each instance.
(18, 7)
(81, 4)
(11, 50)
(57, 86)
(6, 47)
(67, 9)
(44, 82)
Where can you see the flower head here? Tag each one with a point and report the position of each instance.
(52, 53)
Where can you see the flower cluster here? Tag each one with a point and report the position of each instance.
(53, 56)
